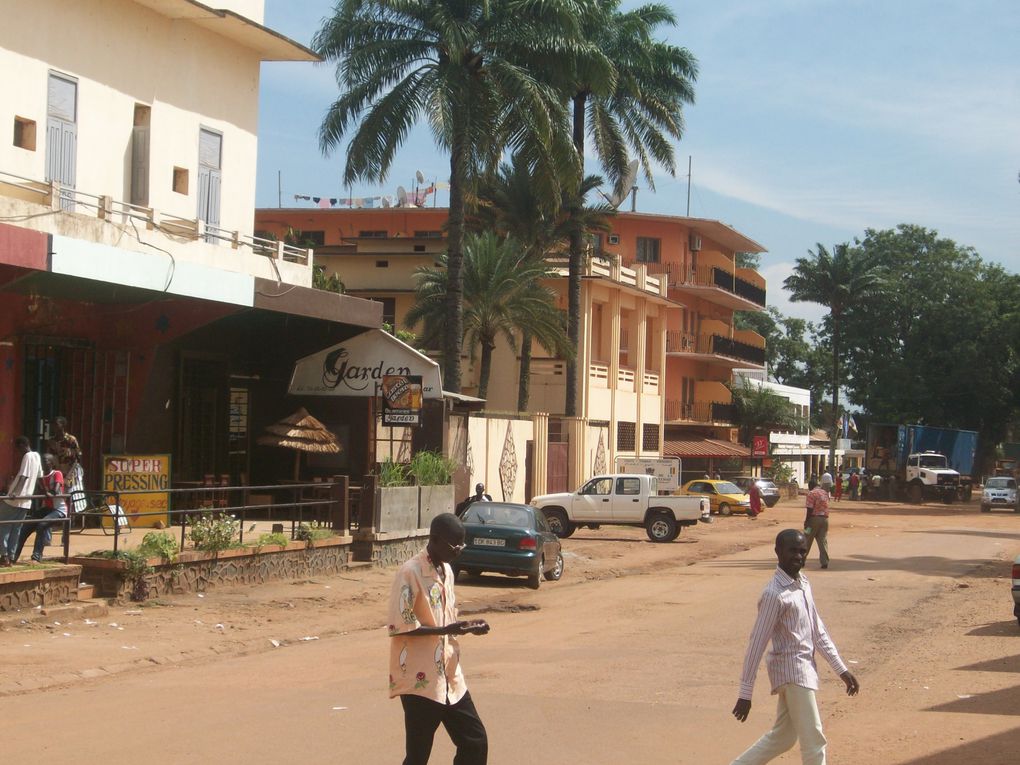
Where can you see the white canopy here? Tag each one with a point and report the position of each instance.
(356, 367)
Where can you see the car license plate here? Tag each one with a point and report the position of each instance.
(485, 542)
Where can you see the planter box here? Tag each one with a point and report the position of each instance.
(434, 501)
(407, 508)
(198, 571)
(38, 587)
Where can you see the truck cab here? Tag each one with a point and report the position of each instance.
(928, 474)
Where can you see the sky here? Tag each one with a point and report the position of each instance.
(814, 121)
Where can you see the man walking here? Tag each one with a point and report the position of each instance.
(18, 500)
(478, 496)
(424, 654)
(754, 494)
(787, 616)
(816, 524)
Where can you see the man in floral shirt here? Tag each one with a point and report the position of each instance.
(425, 655)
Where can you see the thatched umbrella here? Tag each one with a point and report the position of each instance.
(302, 433)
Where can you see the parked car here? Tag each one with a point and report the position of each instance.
(1016, 588)
(769, 491)
(725, 497)
(999, 491)
(622, 499)
(509, 539)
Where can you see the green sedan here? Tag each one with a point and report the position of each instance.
(509, 539)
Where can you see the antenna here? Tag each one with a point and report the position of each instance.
(386, 202)
(401, 196)
(418, 175)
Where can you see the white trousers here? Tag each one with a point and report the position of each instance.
(797, 719)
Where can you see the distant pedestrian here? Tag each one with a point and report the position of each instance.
(826, 482)
(717, 475)
(18, 500)
(788, 617)
(67, 450)
(754, 510)
(839, 486)
(478, 496)
(425, 655)
(855, 485)
(816, 524)
(53, 510)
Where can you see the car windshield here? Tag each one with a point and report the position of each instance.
(1000, 483)
(766, 484)
(725, 487)
(932, 461)
(494, 514)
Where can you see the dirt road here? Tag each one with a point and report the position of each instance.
(633, 657)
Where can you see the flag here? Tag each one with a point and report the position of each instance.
(850, 422)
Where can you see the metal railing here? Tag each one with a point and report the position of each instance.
(65, 199)
(329, 502)
(680, 275)
(698, 411)
(686, 342)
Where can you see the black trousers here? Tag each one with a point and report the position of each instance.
(423, 716)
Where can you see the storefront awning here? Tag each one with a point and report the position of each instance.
(356, 367)
(704, 447)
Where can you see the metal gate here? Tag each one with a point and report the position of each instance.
(557, 476)
(88, 387)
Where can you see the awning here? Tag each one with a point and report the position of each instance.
(356, 367)
(704, 447)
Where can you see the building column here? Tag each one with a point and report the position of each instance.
(614, 369)
(576, 449)
(641, 363)
(540, 453)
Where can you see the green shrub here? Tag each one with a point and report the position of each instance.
(431, 469)
(212, 533)
(155, 544)
(272, 539)
(307, 532)
(392, 473)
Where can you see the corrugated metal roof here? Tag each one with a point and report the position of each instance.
(704, 447)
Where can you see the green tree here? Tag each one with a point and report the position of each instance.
(465, 66)
(841, 281)
(758, 410)
(503, 295)
(636, 109)
(943, 347)
(512, 204)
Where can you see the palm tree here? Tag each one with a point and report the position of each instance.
(466, 67)
(513, 204)
(503, 294)
(839, 281)
(758, 410)
(636, 109)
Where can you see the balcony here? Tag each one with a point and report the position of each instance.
(711, 283)
(702, 412)
(714, 347)
(146, 227)
(611, 269)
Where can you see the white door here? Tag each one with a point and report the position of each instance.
(627, 504)
(62, 136)
(210, 158)
(593, 502)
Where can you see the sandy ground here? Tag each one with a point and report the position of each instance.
(633, 656)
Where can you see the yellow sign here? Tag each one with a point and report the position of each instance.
(143, 483)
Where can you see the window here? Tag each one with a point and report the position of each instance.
(625, 437)
(373, 234)
(648, 249)
(650, 438)
(628, 485)
(180, 180)
(24, 133)
(389, 311)
(382, 264)
(599, 486)
(419, 248)
(428, 234)
(313, 238)
(139, 191)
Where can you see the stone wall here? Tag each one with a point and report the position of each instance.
(38, 587)
(385, 550)
(197, 572)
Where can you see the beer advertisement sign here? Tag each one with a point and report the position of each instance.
(401, 395)
(143, 483)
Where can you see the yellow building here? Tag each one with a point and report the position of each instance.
(657, 339)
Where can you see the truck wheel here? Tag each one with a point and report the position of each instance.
(986, 509)
(661, 527)
(554, 574)
(559, 523)
(915, 494)
(949, 497)
(967, 491)
(724, 509)
(535, 579)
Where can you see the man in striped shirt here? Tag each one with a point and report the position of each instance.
(787, 616)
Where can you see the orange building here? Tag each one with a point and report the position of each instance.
(658, 345)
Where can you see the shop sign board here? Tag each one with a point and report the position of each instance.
(760, 446)
(401, 397)
(143, 483)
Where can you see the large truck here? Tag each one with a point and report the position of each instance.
(923, 462)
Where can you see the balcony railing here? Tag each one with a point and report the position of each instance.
(715, 345)
(699, 411)
(63, 199)
(679, 275)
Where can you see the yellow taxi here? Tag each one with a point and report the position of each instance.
(725, 496)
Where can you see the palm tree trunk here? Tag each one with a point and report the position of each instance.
(576, 264)
(486, 368)
(453, 331)
(835, 393)
(525, 375)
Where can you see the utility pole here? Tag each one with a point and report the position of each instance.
(688, 185)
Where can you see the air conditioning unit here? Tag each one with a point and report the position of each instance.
(614, 239)
(695, 242)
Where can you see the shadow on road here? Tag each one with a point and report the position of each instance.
(1000, 748)
(997, 629)
(969, 532)
(1005, 701)
(1005, 664)
(925, 565)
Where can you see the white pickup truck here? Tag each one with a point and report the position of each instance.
(622, 499)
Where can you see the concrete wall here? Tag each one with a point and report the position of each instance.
(487, 437)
